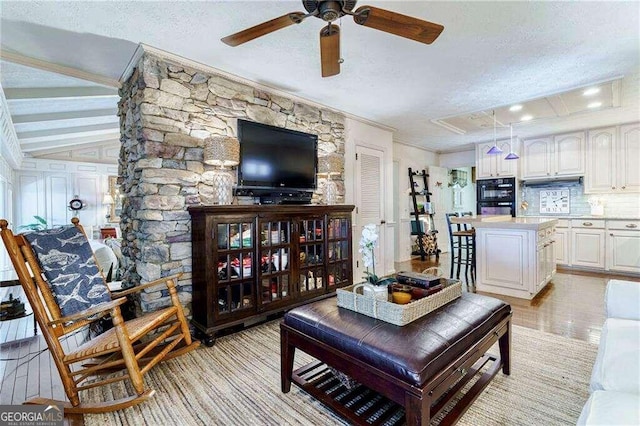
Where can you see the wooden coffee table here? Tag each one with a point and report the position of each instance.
(405, 374)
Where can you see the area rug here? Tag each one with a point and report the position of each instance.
(237, 382)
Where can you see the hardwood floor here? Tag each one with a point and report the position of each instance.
(572, 305)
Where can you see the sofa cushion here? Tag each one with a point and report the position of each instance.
(622, 300)
(617, 365)
(611, 408)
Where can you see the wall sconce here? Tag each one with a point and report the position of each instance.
(222, 151)
(108, 201)
(328, 166)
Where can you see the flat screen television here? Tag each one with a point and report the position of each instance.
(274, 160)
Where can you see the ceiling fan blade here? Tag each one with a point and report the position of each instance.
(395, 23)
(330, 50)
(263, 29)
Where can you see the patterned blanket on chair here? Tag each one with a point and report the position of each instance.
(69, 267)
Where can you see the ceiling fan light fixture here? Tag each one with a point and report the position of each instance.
(330, 10)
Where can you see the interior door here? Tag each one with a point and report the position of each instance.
(441, 203)
(370, 201)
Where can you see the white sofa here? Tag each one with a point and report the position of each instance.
(615, 380)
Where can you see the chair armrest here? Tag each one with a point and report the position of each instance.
(169, 280)
(622, 299)
(101, 308)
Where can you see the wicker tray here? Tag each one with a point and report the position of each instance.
(394, 313)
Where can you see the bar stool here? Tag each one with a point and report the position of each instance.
(462, 246)
(468, 228)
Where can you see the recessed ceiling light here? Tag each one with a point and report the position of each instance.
(526, 117)
(515, 108)
(591, 91)
(594, 105)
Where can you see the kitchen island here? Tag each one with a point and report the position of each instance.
(514, 255)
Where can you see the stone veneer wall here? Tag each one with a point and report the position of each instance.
(166, 111)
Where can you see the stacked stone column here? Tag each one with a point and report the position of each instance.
(166, 111)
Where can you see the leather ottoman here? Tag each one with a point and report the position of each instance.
(420, 367)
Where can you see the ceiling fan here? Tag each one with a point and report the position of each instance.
(369, 16)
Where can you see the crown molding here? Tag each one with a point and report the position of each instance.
(133, 63)
(59, 69)
(207, 69)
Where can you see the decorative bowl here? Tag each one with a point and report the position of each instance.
(400, 297)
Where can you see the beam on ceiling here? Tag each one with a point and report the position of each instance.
(67, 115)
(67, 131)
(70, 142)
(59, 69)
(69, 139)
(111, 144)
(68, 123)
(58, 92)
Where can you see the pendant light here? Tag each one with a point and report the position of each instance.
(494, 149)
(512, 155)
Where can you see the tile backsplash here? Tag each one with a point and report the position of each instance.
(615, 205)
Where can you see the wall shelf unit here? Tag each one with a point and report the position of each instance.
(422, 225)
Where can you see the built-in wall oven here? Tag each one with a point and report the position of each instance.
(496, 196)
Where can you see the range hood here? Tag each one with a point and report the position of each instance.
(554, 181)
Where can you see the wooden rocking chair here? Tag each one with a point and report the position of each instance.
(67, 291)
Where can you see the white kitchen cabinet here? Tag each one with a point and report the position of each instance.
(628, 171)
(623, 246)
(562, 240)
(612, 160)
(506, 265)
(569, 154)
(494, 165)
(515, 262)
(536, 156)
(554, 156)
(545, 259)
(588, 243)
(541, 266)
(550, 259)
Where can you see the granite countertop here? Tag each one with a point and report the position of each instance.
(507, 222)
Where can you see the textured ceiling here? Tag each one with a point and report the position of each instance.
(490, 54)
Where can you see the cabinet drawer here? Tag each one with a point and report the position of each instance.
(563, 223)
(627, 225)
(588, 223)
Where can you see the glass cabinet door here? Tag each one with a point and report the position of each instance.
(274, 269)
(235, 247)
(312, 256)
(339, 269)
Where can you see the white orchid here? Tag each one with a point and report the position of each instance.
(367, 246)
